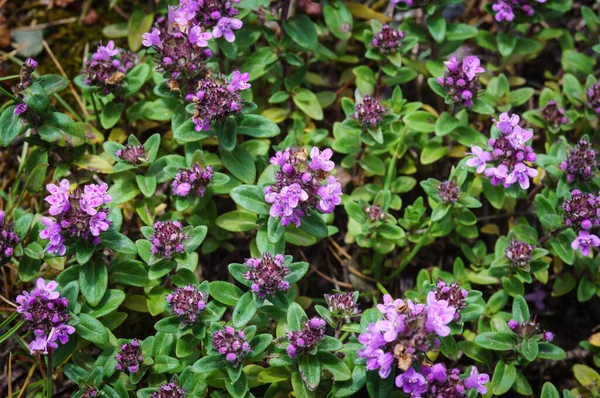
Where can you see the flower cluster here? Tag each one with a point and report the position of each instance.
(342, 304)
(302, 185)
(193, 181)
(437, 381)
(217, 99)
(187, 303)
(25, 81)
(460, 81)
(169, 390)
(304, 340)
(593, 97)
(181, 53)
(232, 344)
(554, 115)
(79, 215)
(448, 191)
(130, 357)
(8, 239)
(90, 392)
(387, 40)
(519, 253)
(108, 66)
(46, 315)
(369, 112)
(453, 294)
(374, 213)
(505, 9)
(406, 332)
(134, 154)
(267, 274)
(582, 213)
(529, 329)
(508, 156)
(216, 14)
(580, 163)
(168, 238)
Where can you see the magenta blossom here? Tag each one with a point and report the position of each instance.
(225, 28)
(477, 381)
(584, 241)
(198, 37)
(480, 160)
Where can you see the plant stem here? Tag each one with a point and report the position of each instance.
(49, 374)
(9, 77)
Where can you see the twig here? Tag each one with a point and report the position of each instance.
(7, 301)
(27, 380)
(334, 281)
(62, 72)
(505, 215)
(10, 374)
(47, 24)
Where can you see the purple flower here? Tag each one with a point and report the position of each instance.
(267, 274)
(132, 154)
(98, 224)
(130, 358)
(94, 196)
(20, 109)
(304, 340)
(342, 304)
(299, 187)
(437, 373)
(503, 11)
(215, 101)
(580, 163)
(31, 63)
(198, 37)
(497, 175)
(439, 315)
(369, 112)
(448, 191)
(460, 80)
(187, 303)
(554, 115)
(152, 39)
(239, 81)
(477, 380)
(168, 239)
(58, 198)
(518, 137)
(192, 181)
(512, 324)
(8, 239)
(330, 195)
(225, 28)
(231, 344)
(593, 98)
(53, 234)
(584, 241)
(387, 40)
(412, 383)
(480, 160)
(46, 314)
(548, 336)
(506, 123)
(452, 294)
(522, 174)
(169, 390)
(105, 53)
(471, 65)
(519, 253)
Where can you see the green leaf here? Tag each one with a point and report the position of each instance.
(445, 124)
(186, 132)
(506, 43)
(10, 126)
(110, 302)
(503, 378)
(520, 310)
(244, 310)
(251, 198)
(36, 99)
(91, 329)
(297, 271)
(53, 83)
(61, 130)
(296, 317)
(240, 163)
(300, 388)
(164, 364)
(118, 242)
(549, 391)
(497, 341)
(168, 325)
(135, 79)
(237, 221)
(314, 225)
(437, 28)
(227, 134)
(521, 385)
(378, 387)
(225, 292)
(257, 126)
(529, 349)
(93, 281)
(257, 64)
(338, 19)
(111, 114)
(550, 351)
(303, 31)
(209, 363)
(139, 23)
(308, 103)
(310, 368)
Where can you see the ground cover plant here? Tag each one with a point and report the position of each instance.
(254, 198)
